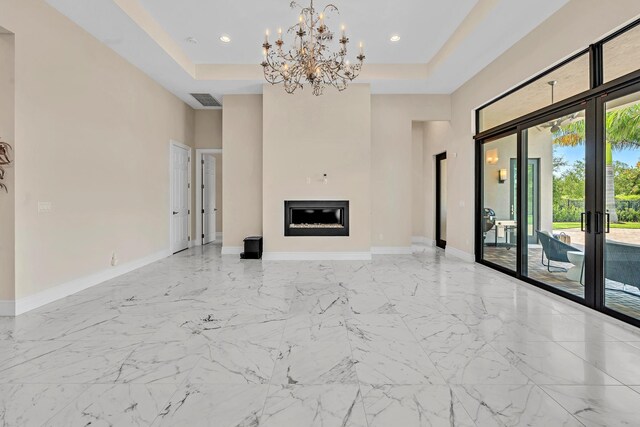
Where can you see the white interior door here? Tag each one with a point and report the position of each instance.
(179, 198)
(209, 199)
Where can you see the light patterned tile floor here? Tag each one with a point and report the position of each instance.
(203, 340)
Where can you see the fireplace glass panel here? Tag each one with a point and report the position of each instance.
(316, 218)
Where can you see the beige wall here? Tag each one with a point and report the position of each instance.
(7, 200)
(305, 137)
(242, 173)
(208, 129)
(92, 138)
(391, 159)
(394, 147)
(546, 45)
(208, 134)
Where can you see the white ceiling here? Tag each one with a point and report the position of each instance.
(425, 26)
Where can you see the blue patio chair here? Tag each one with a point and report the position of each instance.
(622, 261)
(555, 250)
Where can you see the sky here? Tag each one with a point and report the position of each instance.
(572, 154)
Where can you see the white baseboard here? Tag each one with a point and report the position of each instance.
(457, 253)
(421, 240)
(392, 250)
(28, 303)
(219, 237)
(7, 308)
(232, 250)
(316, 256)
(420, 248)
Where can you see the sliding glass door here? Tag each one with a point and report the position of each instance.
(558, 178)
(621, 214)
(497, 221)
(554, 199)
(559, 202)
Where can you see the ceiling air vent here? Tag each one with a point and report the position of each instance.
(206, 100)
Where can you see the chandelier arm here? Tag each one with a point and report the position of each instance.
(310, 60)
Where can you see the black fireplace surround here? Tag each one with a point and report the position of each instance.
(316, 218)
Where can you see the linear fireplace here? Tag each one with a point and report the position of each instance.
(316, 218)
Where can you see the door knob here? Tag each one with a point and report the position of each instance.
(175, 213)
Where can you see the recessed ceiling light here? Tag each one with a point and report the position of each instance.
(225, 38)
(395, 38)
(192, 40)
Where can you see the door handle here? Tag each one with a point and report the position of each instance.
(175, 213)
(608, 223)
(598, 222)
(586, 215)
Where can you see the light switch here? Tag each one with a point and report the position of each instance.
(44, 207)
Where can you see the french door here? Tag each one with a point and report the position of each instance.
(209, 210)
(533, 196)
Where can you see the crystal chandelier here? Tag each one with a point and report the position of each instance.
(310, 60)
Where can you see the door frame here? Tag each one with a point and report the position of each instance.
(173, 143)
(200, 152)
(439, 157)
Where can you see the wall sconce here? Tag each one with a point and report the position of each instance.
(502, 176)
(492, 156)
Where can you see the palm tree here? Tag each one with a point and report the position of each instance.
(623, 133)
(4, 160)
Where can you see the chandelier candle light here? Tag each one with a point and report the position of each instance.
(310, 58)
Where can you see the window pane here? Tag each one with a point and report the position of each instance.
(555, 202)
(570, 79)
(622, 55)
(622, 177)
(499, 213)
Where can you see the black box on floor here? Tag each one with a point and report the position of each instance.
(252, 248)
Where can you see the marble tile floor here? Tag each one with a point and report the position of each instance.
(422, 340)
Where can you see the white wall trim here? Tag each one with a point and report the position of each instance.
(198, 165)
(392, 250)
(7, 308)
(316, 256)
(218, 237)
(421, 240)
(31, 302)
(457, 253)
(232, 250)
